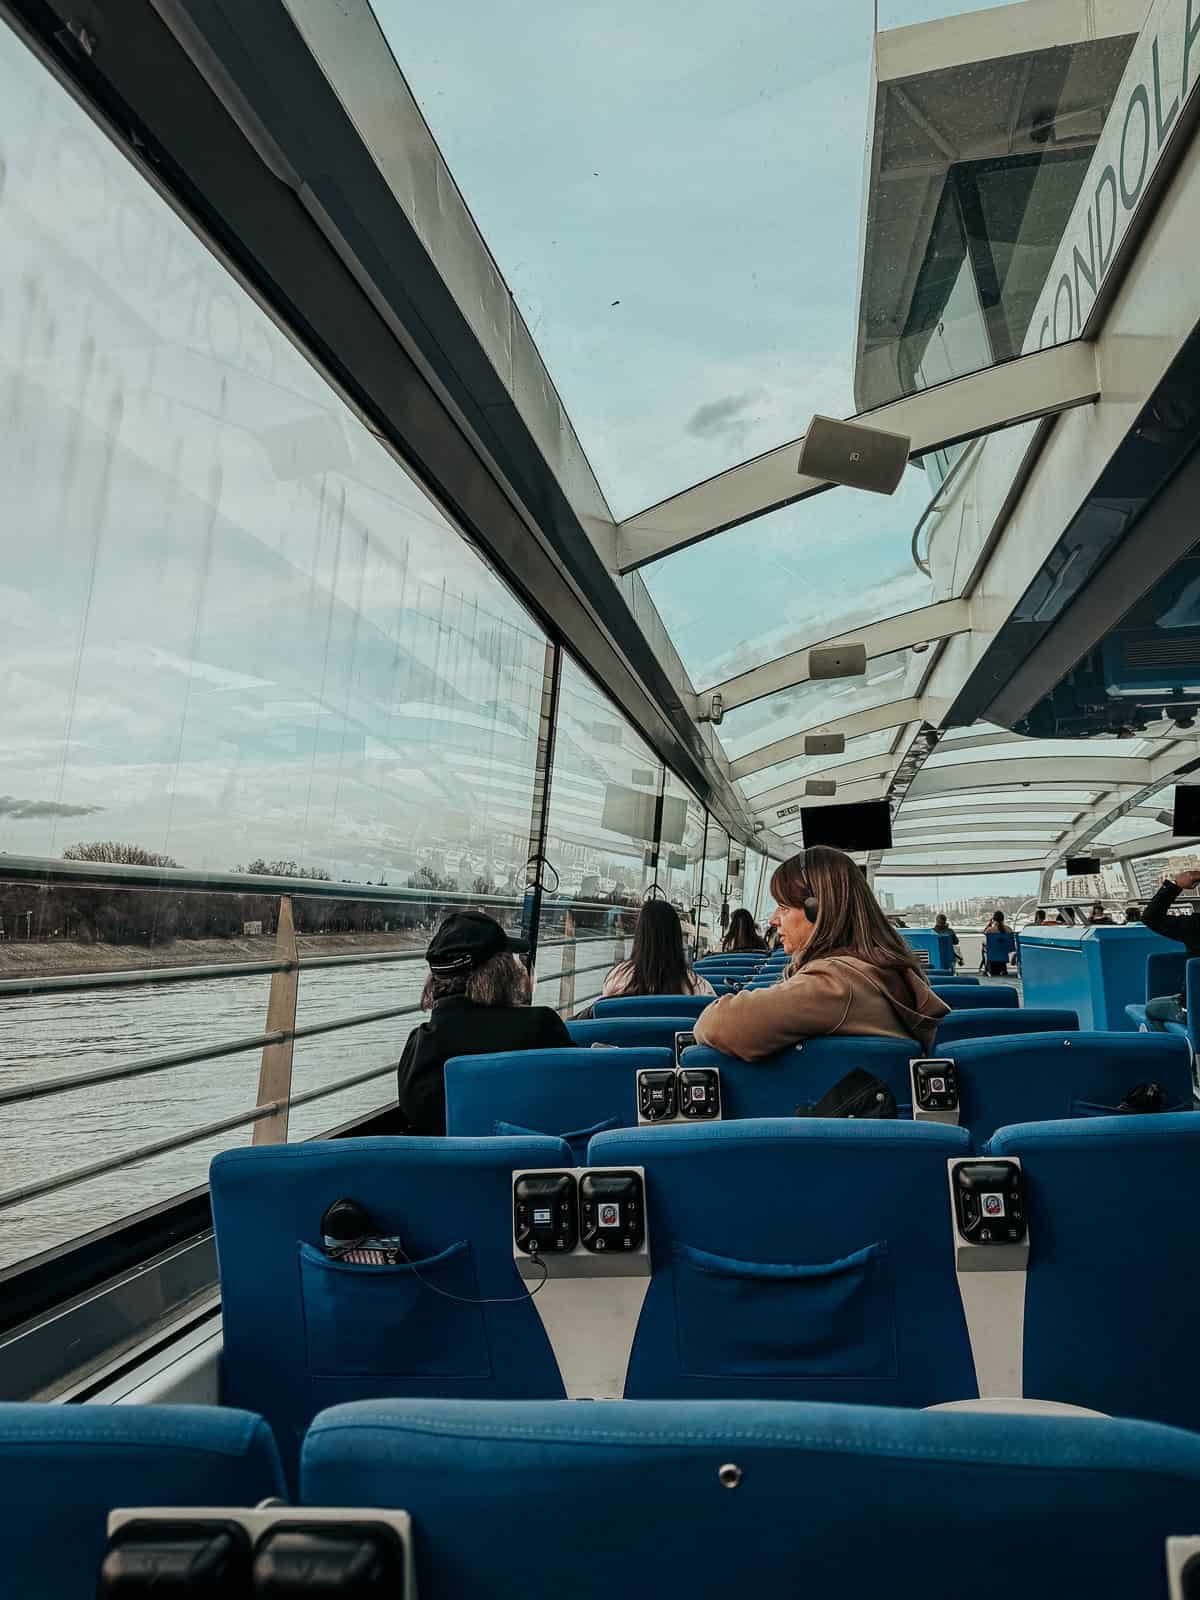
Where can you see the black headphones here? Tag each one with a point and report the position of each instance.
(810, 906)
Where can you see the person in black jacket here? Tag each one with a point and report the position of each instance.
(1184, 930)
(478, 995)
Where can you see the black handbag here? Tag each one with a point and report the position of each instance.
(1144, 1097)
(859, 1094)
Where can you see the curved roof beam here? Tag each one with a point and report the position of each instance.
(878, 720)
(850, 772)
(1177, 758)
(1051, 831)
(1071, 772)
(940, 621)
(1036, 385)
(889, 869)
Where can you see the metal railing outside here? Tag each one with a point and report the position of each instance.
(269, 1114)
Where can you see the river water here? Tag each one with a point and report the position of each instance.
(58, 1035)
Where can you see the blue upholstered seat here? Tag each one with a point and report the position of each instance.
(973, 996)
(63, 1468)
(571, 1094)
(656, 1032)
(303, 1332)
(652, 1005)
(826, 1501)
(1112, 1300)
(991, 1022)
(798, 1260)
(1046, 1076)
(800, 1075)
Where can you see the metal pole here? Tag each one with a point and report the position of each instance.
(275, 1072)
(539, 820)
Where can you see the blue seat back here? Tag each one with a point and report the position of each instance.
(652, 1005)
(990, 1022)
(63, 1468)
(1042, 1077)
(776, 1085)
(302, 1332)
(797, 1260)
(957, 979)
(964, 996)
(570, 1094)
(998, 946)
(830, 1500)
(1166, 973)
(930, 944)
(657, 1032)
(1112, 1301)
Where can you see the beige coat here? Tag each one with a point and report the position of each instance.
(838, 994)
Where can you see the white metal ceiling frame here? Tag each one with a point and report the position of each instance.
(1041, 384)
(925, 625)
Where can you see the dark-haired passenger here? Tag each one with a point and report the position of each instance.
(659, 963)
(849, 973)
(478, 994)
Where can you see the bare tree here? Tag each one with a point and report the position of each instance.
(285, 869)
(115, 853)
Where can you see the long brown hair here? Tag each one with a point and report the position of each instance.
(848, 919)
(742, 934)
(658, 964)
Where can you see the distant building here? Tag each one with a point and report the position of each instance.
(249, 929)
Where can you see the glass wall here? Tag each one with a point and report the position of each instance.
(259, 704)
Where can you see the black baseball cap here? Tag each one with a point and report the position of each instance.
(466, 940)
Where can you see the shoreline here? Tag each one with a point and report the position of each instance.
(65, 958)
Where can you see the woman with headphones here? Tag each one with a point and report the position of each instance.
(849, 973)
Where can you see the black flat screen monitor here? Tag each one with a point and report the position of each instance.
(1186, 822)
(1083, 866)
(865, 826)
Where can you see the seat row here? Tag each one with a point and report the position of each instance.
(806, 1259)
(677, 1014)
(533, 1498)
(1019, 1078)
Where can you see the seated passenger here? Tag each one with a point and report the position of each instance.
(478, 993)
(659, 964)
(849, 973)
(999, 943)
(1039, 918)
(1098, 917)
(1185, 930)
(743, 933)
(1133, 914)
(941, 924)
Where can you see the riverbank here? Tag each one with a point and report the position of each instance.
(61, 958)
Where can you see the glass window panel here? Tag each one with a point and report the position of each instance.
(869, 744)
(815, 569)
(775, 716)
(1126, 829)
(603, 796)
(236, 630)
(598, 207)
(715, 883)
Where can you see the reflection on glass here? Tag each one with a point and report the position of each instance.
(235, 630)
(604, 795)
(776, 716)
(819, 568)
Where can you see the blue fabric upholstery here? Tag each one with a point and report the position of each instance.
(64, 1468)
(1112, 1300)
(302, 1332)
(657, 1032)
(1166, 973)
(558, 1092)
(834, 1500)
(1137, 1014)
(964, 996)
(800, 1260)
(938, 947)
(956, 979)
(776, 1085)
(652, 1005)
(991, 1022)
(1095, 971)
(1041, 1077)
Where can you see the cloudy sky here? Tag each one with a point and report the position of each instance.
(219, 580)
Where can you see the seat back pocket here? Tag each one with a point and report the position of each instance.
(394, 1322)
(755, 1319)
